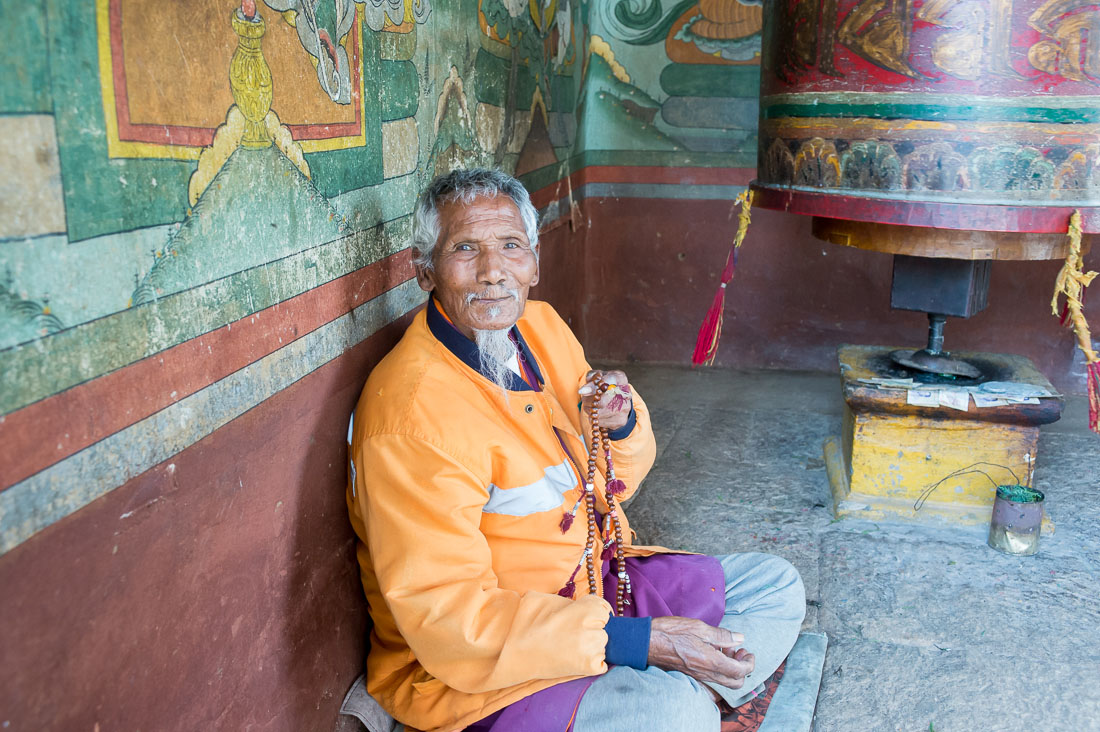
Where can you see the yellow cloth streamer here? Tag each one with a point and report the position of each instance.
(1071, 282)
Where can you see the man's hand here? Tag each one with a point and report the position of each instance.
(701, 651)
(616, 402)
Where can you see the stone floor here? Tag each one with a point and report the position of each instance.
(929, 629)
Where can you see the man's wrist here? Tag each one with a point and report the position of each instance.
(627, 641)
(624, 431)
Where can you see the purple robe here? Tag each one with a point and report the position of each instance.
(688, 585)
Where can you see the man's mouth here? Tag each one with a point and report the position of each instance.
(490, 298)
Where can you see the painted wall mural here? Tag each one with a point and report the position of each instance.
(687, 77)
(184, 166)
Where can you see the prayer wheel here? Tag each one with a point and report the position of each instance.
(948, 133)
(975, 115)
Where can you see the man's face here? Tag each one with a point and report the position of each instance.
(484, 264)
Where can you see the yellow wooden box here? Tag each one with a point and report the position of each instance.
(891, 453)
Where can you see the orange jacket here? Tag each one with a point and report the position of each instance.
(456, 494)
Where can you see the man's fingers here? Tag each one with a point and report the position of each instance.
(727, 671)
(721, 637)
(615, 377)
(699, 650)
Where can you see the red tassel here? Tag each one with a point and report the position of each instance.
(566, 522)
(616, 486)
(607, 552)
(1092, 372)
(569, 589)
(706, 345)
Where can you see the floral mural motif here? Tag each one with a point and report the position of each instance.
(940, 167)
(817, 164)
(1080, 170)
(934, 167)
(1073, 172)
(1010, 168)
(322, 26)
(778, 162)
(870, 164)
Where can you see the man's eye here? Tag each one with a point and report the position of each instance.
(463, 248)
(511, 245)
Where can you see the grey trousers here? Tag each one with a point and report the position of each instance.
(765, 601)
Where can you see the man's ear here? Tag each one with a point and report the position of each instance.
(424, 276)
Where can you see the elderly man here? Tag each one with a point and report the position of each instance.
(468, 469)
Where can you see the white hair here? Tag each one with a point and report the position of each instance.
(465, 186)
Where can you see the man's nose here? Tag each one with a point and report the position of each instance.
(490, 266)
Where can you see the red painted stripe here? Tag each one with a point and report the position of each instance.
(642, 174)
(944, 215)
(89, 412)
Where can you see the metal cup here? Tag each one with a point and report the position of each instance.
(1017, 520)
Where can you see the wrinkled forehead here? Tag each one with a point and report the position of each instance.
(484, 216)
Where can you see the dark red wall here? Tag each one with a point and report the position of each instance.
(218, 590)
(649, 270)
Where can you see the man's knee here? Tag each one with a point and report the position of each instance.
(784, 573)
(789, 584)
(767, 578)
(788, 581)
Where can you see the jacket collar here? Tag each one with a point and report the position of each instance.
(466, 350)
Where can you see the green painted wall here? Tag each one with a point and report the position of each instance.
(131, 221)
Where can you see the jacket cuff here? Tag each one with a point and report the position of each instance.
(626, 429)
(627, 642)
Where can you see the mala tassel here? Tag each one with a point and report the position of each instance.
(607, 552)
(706, 345)
(570, 588)
(616, 486)
(566, 522)
(567, 518)
(1072, 282)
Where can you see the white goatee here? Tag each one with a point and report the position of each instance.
(495, 349)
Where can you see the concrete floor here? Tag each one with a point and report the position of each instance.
(929, 629)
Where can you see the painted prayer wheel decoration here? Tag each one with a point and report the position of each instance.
(979, 115)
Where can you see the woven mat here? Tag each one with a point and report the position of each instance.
(749, 716)
(790, 696)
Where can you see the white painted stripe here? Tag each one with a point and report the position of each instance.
(65, 487)
(542, 495)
